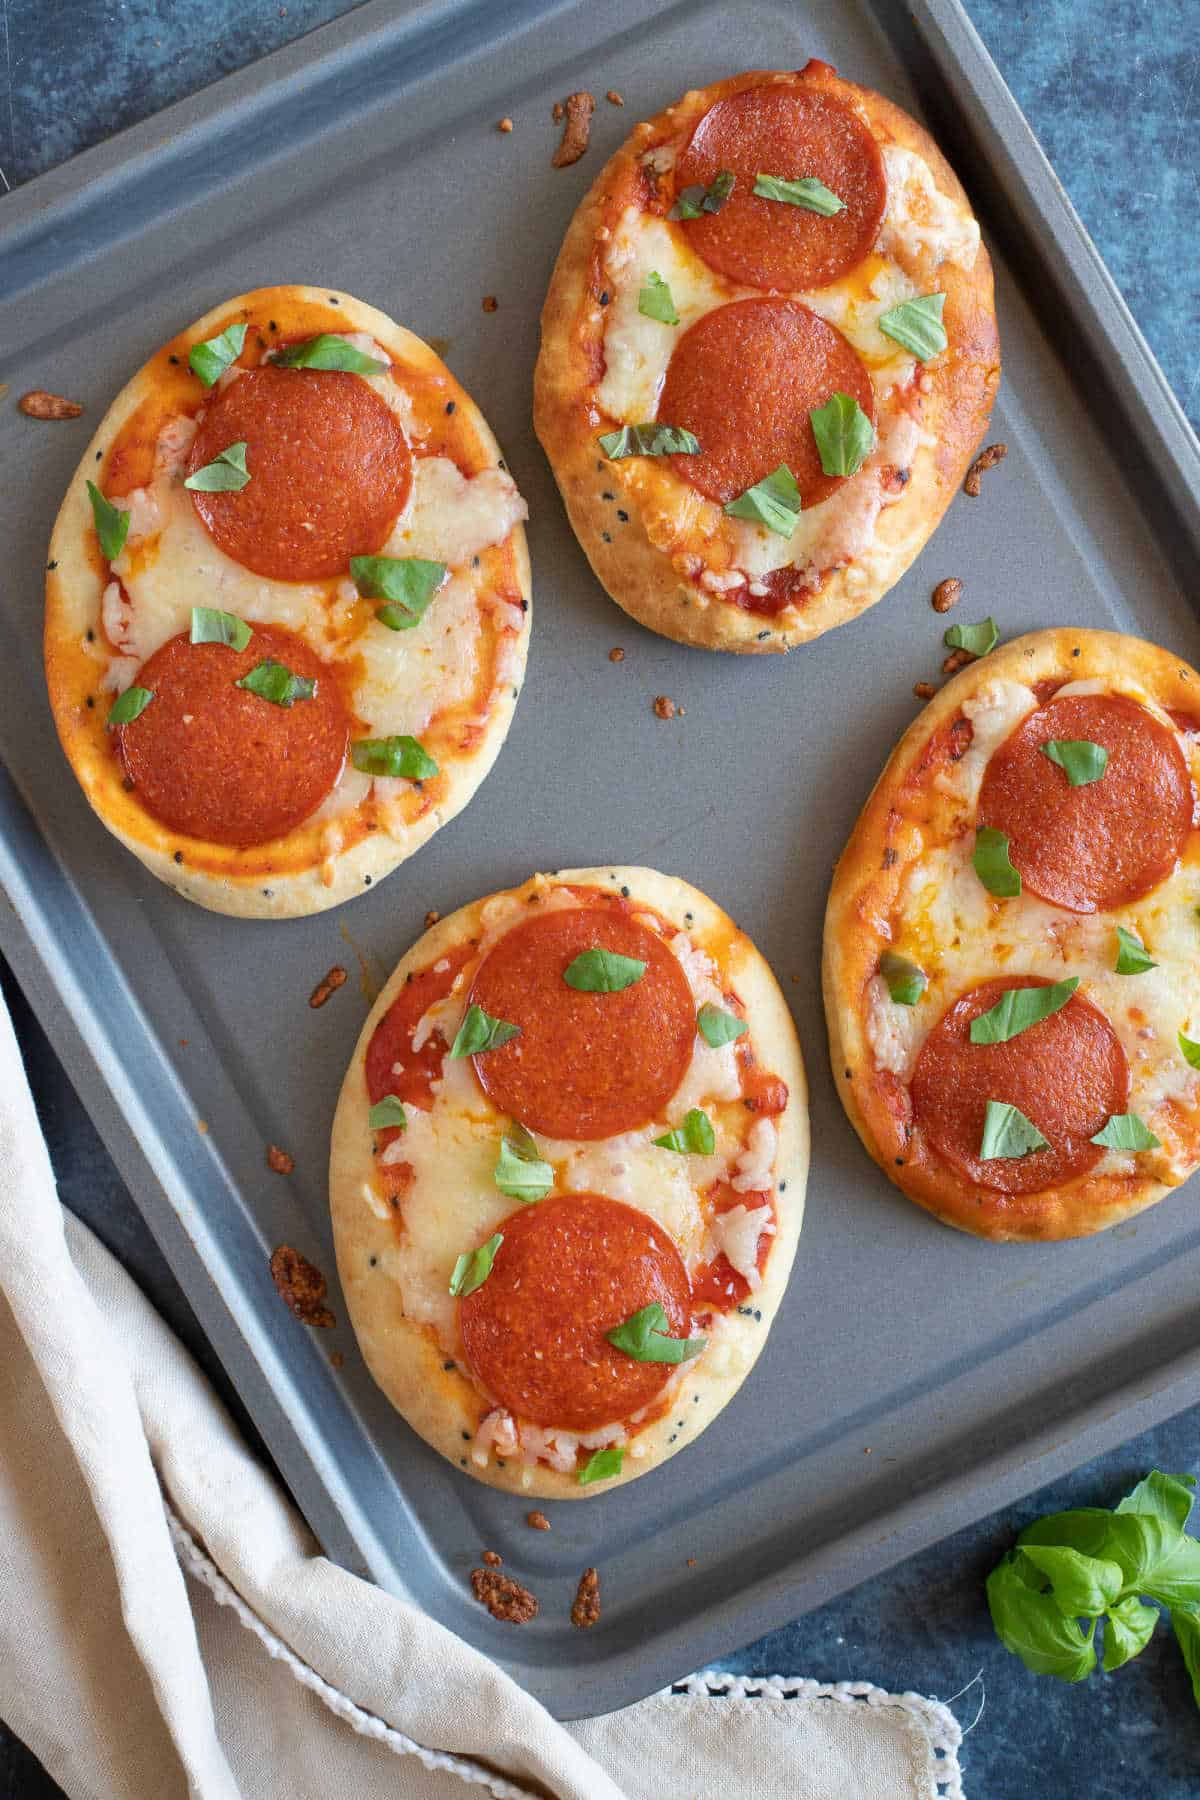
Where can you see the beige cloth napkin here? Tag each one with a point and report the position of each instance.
(168, 1626)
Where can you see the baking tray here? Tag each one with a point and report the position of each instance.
(367, 156)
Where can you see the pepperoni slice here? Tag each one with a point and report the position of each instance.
(584, 1065)
(568, 1271)
(744, 379)
(215, 761)
(793, 132)
(329, 471)
(1068, 1075)
(1105, 844)
(393, 1066)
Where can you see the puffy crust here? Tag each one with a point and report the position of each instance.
(289, 878)
(441, 1404)
(865, 888)
(642, 578)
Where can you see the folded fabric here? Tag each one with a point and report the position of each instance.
(168, 1625)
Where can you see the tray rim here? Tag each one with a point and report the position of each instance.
(950, 41)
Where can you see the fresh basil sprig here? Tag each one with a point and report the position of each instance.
(473, 1267)
(774, 502)
(807, 192)
(225, 474)
(718, 1027)
(655, 300)
(905, 981)
(601, 971)
(1007, 1133)
(112, 525)
(978, 639)
(520, 1172)
(1019, 1008)
(208, 361)
(387, 1113)
(696, 200)
(406, 583)
(209, 626)
(1081, 761)
(992, 863)
(1132, 955)
(916, 325)
(275, 682)
(479, 1032)
(329, 351)
(129, 705)
(845, 436)
(1125, 1131)
(694, 1137)
(651, 439)
(601, 1466)
(1103, 1568)
(644, 1336)
(401, 757)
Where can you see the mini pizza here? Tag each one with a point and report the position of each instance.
(568, 1177)
(1012, 947)
(768, 351)
(287, 604)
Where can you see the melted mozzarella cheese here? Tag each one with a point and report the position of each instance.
(736, 1233)
(921, 220)
(452, 517)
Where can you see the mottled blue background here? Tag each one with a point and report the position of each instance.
(1113, 93)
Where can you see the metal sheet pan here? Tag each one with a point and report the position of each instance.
(367, 156)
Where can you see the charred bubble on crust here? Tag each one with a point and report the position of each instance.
(301, 1286)
(577, 130)
(504, 1598)
(987, 459)
(586, 1608)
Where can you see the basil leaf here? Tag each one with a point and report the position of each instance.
(1132, 956)
(210, 359)
(1019, 1008)
(1085, 1529)
(655, 301)
(225, 474)
(212, 627)
(1185, 1623)
(1129, 1627)
(1082, 761)
(479, 1032)
(329, 351)
(603, 972)
(845, 436)
(473, 1267)
(408, 583)
(978, 639)
(1007, 1133)
(274, 682)
(695, 1136)
(112, 525)
(916, 325)
(774, 502)
(1030, 1625)
(520, 1172)
(128, 705)
(1166, 1497)
(644, 1337)
(905, 982)
(601, 1466)
(402, 757)
(1190, 1050)
(650, 439)
(1081, 1584)
(387, 1112)
(992, 864)
(1125, 1131)
(717, 1027)
(1158, 1559)
(807, 192)
(696, 200)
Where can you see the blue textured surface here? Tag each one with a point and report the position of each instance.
(1114, 96)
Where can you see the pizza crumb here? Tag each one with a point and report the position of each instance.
(490, 303)
(336, 1359)
(586, 1609)
(505, 124)
(38, 404)
(558, 112)
(328, 985)
(923, 690)
(987, 459)
(691, 1562)
(664, 707)
(279, 1161)
(616, 654)
(504, 1598)
(301, 1286)
(577, 130)
(958, 659)
(431, 918)
(613, 98)
(947, 594)
(492, 1558)
(202, 1127)
(537, 1520)
(867, 1450)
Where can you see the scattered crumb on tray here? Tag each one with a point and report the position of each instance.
(613, 98)
(664, 707)
(504, 1598)
(38, 404)
(492, 1558)
(987, 459)
(301, 1286)
(616, 654)
(576, 131)
(505, 124)
(586, 1608)
(558, 112)
(431, 918)
(328, 985)
(958, 659)
(336, 1359)
(537, 1520)
(490, 303)
(947, 594)
(278, 1161)
(923, 690)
